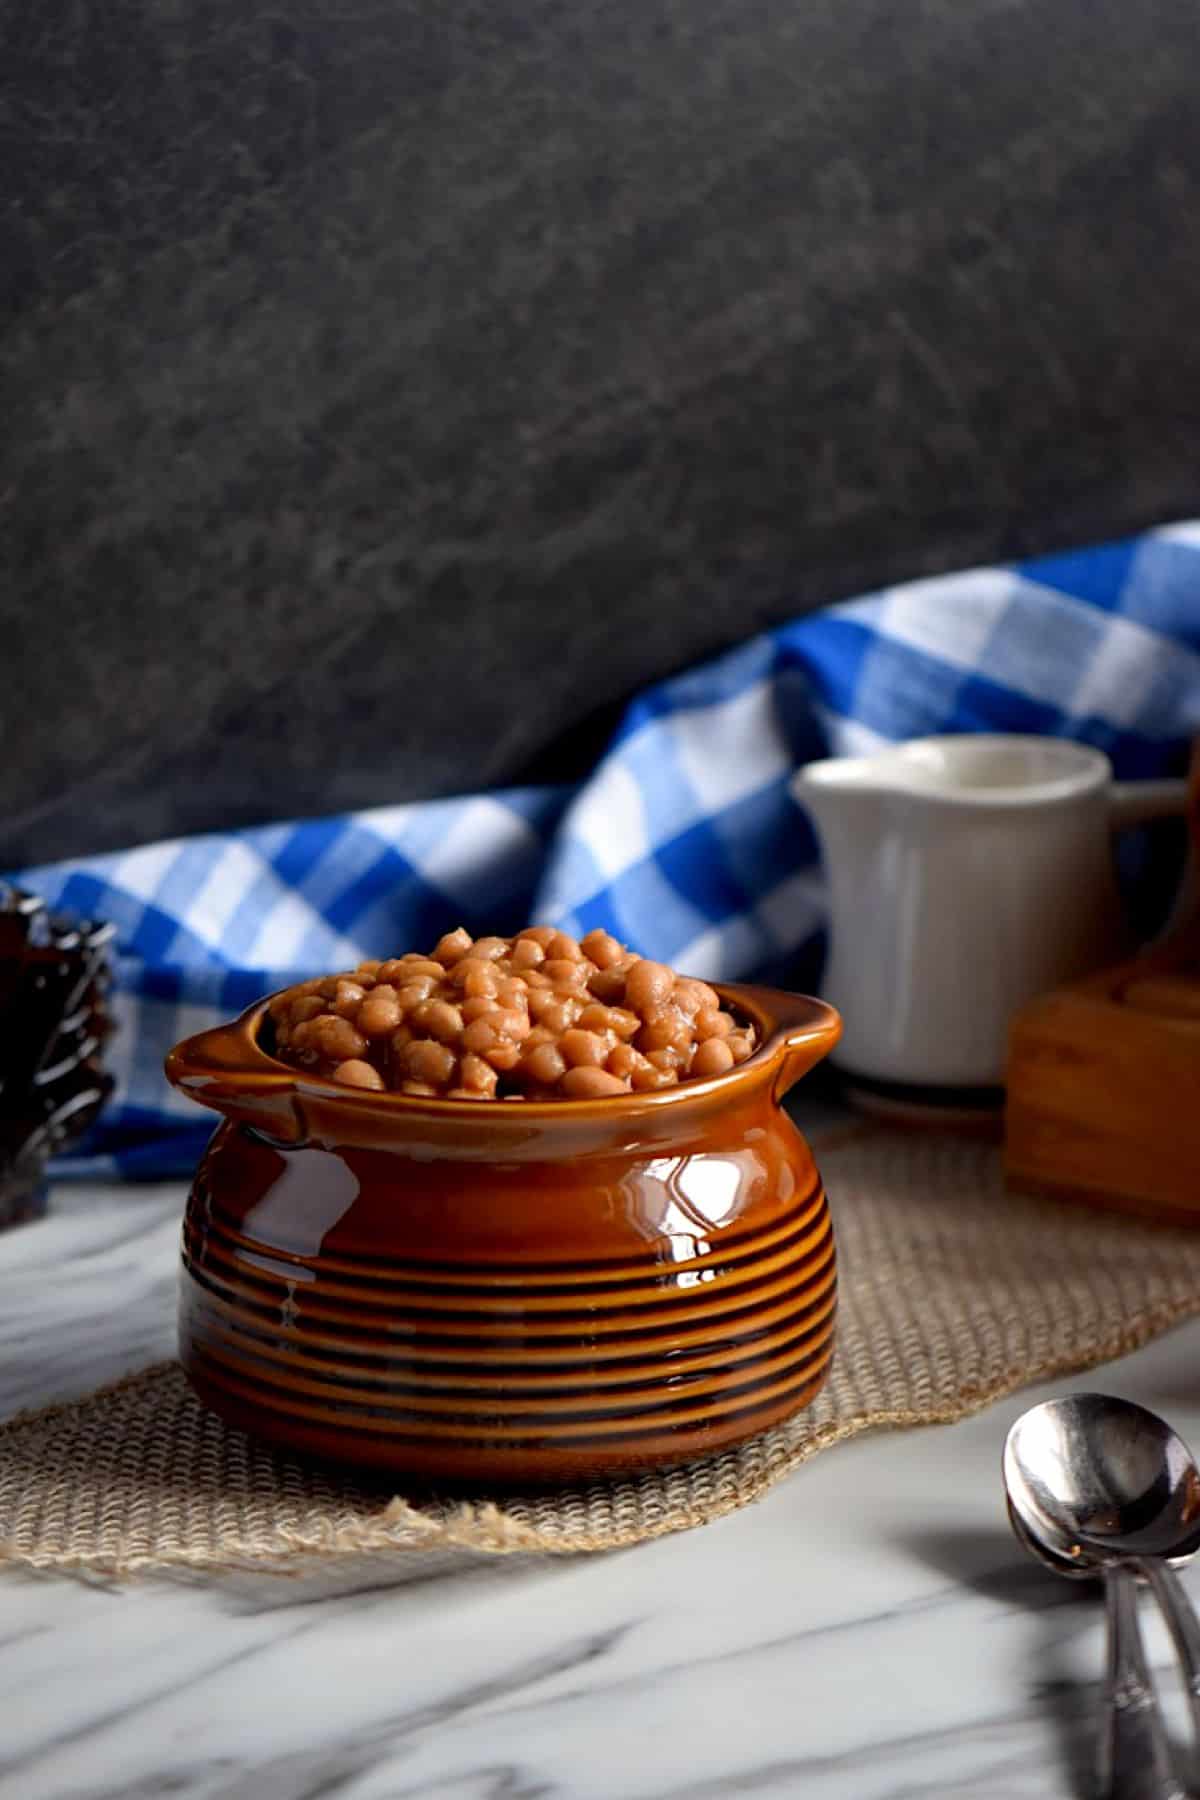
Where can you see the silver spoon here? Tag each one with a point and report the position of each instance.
(1099, 1486)
(1135, 1495)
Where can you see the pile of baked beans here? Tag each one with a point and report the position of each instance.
(540, 1016)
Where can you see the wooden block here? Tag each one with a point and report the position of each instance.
(1104, 1089)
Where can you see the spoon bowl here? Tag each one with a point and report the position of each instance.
(1098, 1486)
(1092, 1477)
(1082, 1568)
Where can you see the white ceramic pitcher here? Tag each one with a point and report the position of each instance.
(965, 875)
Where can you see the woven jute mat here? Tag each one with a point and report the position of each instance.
(953, 1293)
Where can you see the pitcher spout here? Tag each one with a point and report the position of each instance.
(846, 799)
(839, 782)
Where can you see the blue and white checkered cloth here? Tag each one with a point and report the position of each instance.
(684, 841)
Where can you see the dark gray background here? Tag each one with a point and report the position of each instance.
(394, 386)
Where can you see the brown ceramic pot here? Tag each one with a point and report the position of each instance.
(507, 1291)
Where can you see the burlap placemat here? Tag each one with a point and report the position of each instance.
(953, 1292)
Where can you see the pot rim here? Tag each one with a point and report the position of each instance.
(229, 1058)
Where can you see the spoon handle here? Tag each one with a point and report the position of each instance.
(1134, 1758)
(1181, 1619)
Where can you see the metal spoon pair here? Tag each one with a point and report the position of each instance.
(1099, 1487)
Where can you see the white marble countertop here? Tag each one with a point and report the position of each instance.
(870, 1631)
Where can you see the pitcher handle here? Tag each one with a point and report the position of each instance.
(1141, 802)
(1136, 803)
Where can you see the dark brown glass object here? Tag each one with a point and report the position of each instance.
(505, 1291)
(53, 1023)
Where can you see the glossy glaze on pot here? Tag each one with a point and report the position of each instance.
(507, 1291)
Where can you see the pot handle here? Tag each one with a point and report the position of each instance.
(799, 1030)
(225, 1069)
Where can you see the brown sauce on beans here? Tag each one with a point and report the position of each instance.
(540, 1016)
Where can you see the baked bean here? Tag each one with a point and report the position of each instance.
(309, 1006)
(647, 985)
(615, 1019)
(585, 1083)
(380, 1013)
(624, 1060)
(594, 1017)
(626, 1024)
(441, 1020)
(565, 973)
(601, 948)
(475, 978)
(663, 1030)
(561, 1015)
(712, 1022)
(538, 1016)
(608, 985)
(477, 1076)
(712, 1057)
(490, 949)
(583, 1049)
(480, 1035)
(359, 1074)
(452, 948)
(423, 1060)
(411, 993)
(398, 969)
(692, 997)
(542, 1065)
(645, 1080)
(336, 1039)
